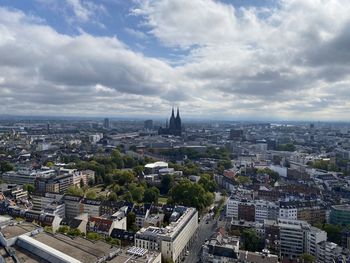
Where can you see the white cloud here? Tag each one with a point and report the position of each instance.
(289, 61)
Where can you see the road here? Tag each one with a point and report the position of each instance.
(204, 232)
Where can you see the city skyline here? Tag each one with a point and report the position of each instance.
(227, 60)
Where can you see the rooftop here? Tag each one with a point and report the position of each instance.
(255, 257)
(156, 165)
(126, 255)
(345, 207)
(11, 231)
(79, 248)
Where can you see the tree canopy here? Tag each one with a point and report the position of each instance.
(190, 194)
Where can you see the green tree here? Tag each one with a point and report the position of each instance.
(166, 183)
(127, 196)
(91, 182)
(112, 197)
(76, 191)
(333, 233)
(243, 179)
(74, 232)
(123, 177)
(81, 183)
(91, 194)
(190, 194)
(138, 170)
(151, 195)
(49, 164)
(137, 192)
(251, 241)
(207, 182)
(131, 222)
(307, 258)
(6, 166)
(94, 236)
(29, 187)
(273, 176)
(63, 229)
(117, 159)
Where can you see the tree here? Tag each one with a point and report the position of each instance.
(333, 233)
(190, 194)
(289, 147)
(127, 196)
(91, 182)
(6, 166)
(112, 197)
(243, 179)
(91, 194)
(76, 191)
(307, 258)
(251, 240)
(81, 183)
(123, 177)
(208, 183)
(166, 182)
(138, 170)
(131, 222)
(136, 192)
(151, 195)
(273, 176)
(49, 164)
(117, 159)
(29, 187)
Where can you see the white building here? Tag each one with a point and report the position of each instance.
(328, 252)
(265, 210)
(298, 237)
(174, 240)
(232, 208)
(153, 168)
(288, 212)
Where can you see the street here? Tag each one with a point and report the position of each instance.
(204, 232)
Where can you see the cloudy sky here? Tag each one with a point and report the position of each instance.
(232, 59)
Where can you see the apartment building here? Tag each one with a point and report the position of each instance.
(254, 210)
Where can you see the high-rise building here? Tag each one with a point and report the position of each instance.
(106, 123)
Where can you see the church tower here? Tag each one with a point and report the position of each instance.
(178, 126)
(172, 124)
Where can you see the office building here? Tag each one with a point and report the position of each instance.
(172, 241)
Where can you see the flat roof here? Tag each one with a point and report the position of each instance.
(50, 250)
(156, 164)
(345, 207)
(79, 248)
(124, 256)
(18, 229)
(27, 257)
